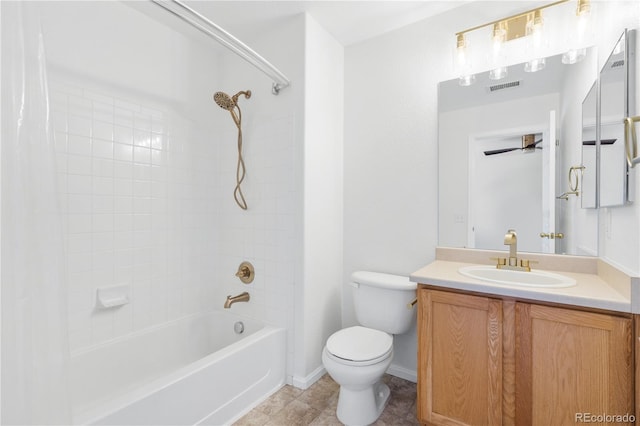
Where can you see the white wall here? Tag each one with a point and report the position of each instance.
(323, 200)
(390, 157)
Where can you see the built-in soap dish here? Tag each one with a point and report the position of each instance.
(113, 296)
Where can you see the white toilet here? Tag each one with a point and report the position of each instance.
(357, 357)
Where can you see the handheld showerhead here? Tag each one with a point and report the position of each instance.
(230, 103)
(224, 101)
(227, 102)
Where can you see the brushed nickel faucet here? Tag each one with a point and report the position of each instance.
(242, 297)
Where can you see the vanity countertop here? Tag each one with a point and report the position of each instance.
(600, 287)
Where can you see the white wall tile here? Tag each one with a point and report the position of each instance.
(79, 144)
(148, 200)
(102, 148)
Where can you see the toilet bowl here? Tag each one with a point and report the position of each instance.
(357, 357)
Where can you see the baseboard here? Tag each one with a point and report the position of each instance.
(403, 373)
(308, 380)
(315, 375)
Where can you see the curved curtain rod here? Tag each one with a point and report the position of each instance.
(198, 21)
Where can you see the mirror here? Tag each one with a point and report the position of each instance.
(490, 180)
(616, 77)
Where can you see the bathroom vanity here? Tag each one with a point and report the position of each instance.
(495, 353)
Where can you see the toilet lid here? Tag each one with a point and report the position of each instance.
(359, 343)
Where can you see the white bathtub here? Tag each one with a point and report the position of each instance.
(196, 370)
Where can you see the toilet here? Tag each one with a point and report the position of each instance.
(357, 357)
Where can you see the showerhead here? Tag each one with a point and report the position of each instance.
(223, 100)
(227, 102)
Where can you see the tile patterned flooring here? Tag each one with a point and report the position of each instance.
(317, 406)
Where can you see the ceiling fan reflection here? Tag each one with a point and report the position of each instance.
(528, 144)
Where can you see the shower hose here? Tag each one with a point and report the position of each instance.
(240, 169)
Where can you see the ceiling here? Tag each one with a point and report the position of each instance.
(348, 21)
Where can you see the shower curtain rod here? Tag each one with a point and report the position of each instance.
(198, 21)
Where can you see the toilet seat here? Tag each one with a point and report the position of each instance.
(360, 345)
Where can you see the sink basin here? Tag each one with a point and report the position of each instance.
(535, 278)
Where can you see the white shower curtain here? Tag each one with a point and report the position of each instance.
(34, 346)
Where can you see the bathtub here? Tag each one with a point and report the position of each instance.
(196, 370)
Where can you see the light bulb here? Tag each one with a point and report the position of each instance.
(534, 28)
(466, 80)
(535, 65)
(498, 73)
(583, 12)
(499, 36)
(574, 56)
(461, 47)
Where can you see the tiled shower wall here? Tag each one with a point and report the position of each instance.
(135, 190)
(264, 234)
(146, 170)
(148, 203)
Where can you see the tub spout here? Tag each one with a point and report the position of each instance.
(242, 297)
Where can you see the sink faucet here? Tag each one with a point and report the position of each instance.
(511, 239)
(513, 263)
(242, 297)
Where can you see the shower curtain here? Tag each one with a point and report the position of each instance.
(34, 346)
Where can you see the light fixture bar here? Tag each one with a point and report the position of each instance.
(509, 19)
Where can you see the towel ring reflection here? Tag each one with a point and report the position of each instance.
(574, 179)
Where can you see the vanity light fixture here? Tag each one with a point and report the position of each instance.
(526, 24)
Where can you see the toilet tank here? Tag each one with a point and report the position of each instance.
(380, 301)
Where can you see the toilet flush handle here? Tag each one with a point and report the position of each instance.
(411, 304)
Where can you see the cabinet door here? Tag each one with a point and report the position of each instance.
(459, 359)
(571, 365)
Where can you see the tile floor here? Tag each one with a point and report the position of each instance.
(317, 406)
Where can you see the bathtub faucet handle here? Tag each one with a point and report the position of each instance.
(246, 273)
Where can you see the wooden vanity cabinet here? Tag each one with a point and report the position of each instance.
(571, 363)
(459, 359)
(487, 361)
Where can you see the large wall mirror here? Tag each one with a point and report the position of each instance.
(617, 79)
(505, 150)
